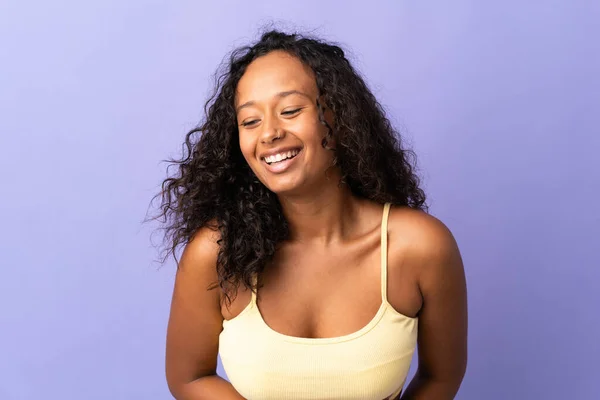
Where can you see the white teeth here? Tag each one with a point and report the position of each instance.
(281, 156)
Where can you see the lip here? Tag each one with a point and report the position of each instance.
(278, 150)
(281, 166)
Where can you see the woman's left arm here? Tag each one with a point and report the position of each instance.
(442, 337)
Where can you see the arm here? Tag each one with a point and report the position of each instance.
(195, 323)
(442, 340)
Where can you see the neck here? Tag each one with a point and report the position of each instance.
(325, 216)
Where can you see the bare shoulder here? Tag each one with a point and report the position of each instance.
(423, 230)
(195, 318)
(196, 275)
(422, 243)
(200, 253)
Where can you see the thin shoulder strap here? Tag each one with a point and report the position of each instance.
(384, 234)
(255, 289)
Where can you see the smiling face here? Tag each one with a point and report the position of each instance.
(279, 129)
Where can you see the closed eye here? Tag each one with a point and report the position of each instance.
(291, 112)
(249, 123)
(288, 113)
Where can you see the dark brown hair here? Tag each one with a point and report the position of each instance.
(215, 187)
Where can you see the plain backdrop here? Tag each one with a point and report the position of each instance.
(500, 100)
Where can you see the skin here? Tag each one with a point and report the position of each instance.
(332, 254)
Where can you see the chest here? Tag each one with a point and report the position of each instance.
(316, 294)
(323, 294)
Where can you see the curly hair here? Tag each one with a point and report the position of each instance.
(214, 186)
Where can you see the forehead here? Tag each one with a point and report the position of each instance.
(273, 73)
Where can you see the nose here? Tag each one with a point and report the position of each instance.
(271, 132)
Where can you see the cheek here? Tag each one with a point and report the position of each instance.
(247, 147)
(309, 130)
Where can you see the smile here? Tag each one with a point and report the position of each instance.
(281, 157)
(278, 163)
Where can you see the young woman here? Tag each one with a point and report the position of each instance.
(309, 263)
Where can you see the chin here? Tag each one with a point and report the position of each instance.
(284, 186)
(284, 189)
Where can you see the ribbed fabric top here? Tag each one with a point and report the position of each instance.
(369, 364)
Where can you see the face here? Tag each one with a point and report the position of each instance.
(279, 129)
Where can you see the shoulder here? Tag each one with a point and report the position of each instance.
(200, 254)
(196, 275)
(422, 243)
(195, 318)
(422, 231)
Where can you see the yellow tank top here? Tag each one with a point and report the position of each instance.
(369, 364)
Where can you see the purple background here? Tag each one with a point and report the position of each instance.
(501, 100)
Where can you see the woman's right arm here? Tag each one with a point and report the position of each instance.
(195, 323)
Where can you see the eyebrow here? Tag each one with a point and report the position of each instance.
(280, 95)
